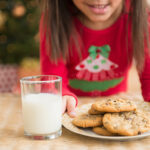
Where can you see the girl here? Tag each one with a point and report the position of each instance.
(91, 44)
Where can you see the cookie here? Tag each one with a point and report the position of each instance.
(86, 120)
(92, 111)
(126, 123)
(114, 105)
(102, 131)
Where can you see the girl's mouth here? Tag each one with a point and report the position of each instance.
(99, 8)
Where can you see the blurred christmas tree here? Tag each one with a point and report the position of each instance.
(18, 30)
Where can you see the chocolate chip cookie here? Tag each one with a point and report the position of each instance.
(114, 105)
(92, 111)
(102, 131)
(127, 123)
(86, 120)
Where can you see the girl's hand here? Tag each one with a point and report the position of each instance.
(69, 104)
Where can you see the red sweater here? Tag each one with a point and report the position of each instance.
(103, 69)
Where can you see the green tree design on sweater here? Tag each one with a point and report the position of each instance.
(92, 71)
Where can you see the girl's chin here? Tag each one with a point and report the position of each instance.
(99, 19)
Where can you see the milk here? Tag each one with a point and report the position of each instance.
(42, 113)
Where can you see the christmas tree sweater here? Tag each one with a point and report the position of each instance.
(103, 68)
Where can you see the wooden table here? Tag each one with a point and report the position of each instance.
(12, 138)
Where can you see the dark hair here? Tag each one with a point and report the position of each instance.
(54, 12)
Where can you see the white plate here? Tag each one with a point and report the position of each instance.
(67, 123)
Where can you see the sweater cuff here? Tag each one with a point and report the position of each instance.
(146, 96)
(145, 87)
(146, 99)
(65, 91)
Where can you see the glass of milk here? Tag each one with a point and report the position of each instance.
(42, 106)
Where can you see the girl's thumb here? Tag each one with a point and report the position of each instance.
(71, 103)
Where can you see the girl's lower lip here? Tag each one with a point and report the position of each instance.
(98, 9)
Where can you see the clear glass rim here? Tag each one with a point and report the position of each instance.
(27, 80)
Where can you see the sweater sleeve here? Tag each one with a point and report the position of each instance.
(145, 77)
(50, 68)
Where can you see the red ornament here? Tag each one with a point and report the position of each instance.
(98, 51)
(112, 66)
(82, 66)
(98, 56)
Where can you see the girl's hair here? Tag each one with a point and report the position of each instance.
(58, 16)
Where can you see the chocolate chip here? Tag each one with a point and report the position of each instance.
(139, 132)
(127, 118)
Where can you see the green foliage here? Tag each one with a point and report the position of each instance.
(18, 30)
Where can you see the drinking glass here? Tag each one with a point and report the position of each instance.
(42, 106)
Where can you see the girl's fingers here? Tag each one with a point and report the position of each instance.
(71, 103)
(64, 104)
